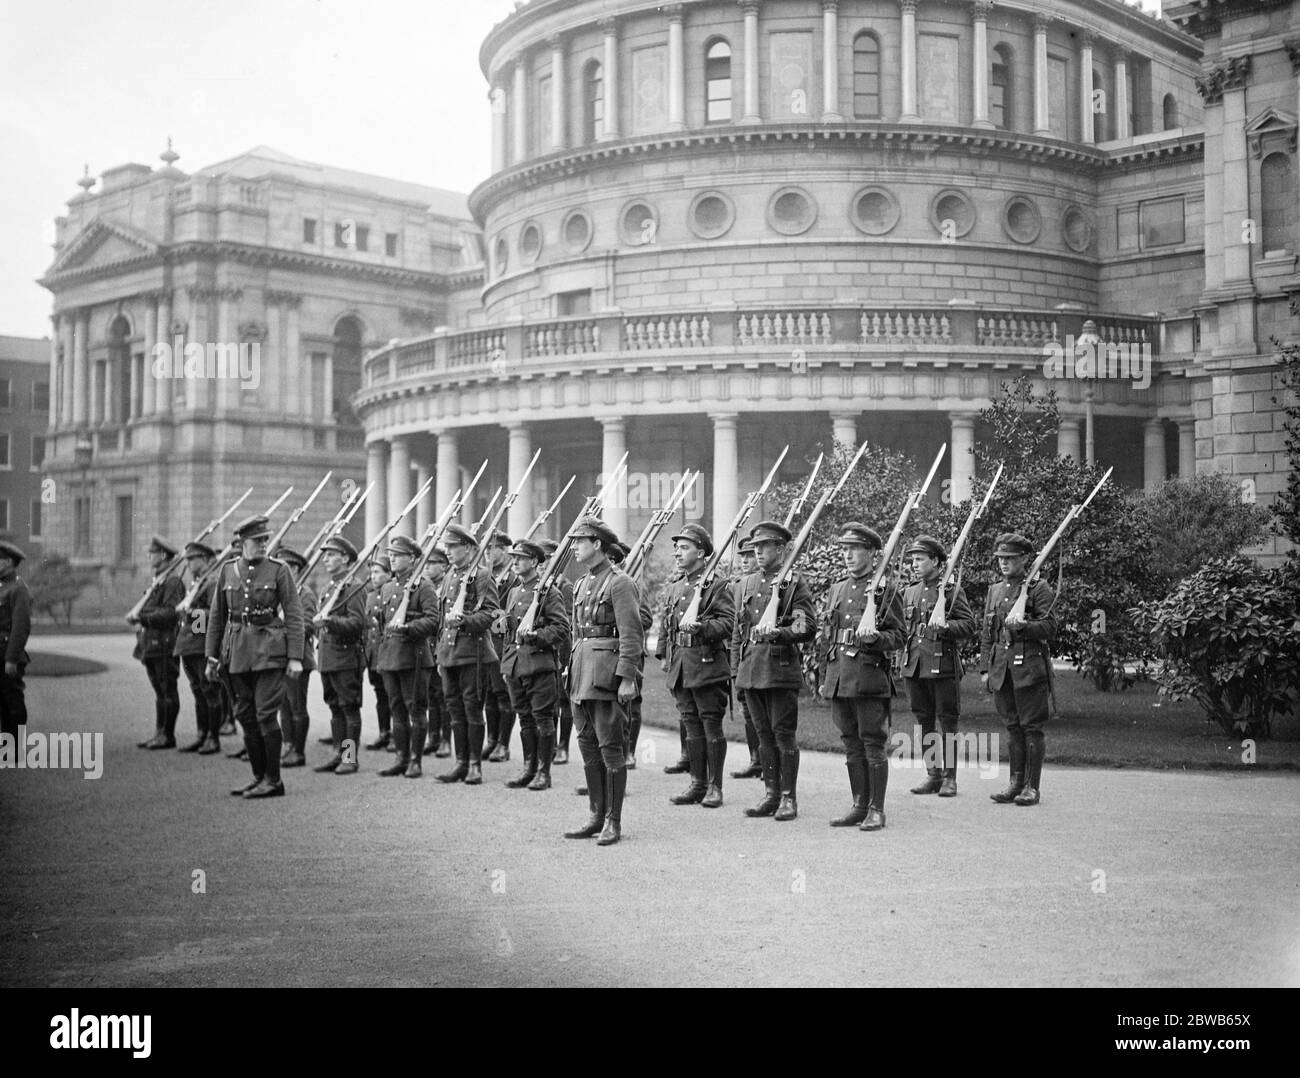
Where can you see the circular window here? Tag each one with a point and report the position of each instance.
(1021, 219)
(952, 213)
(1077, 229)
(874, 210)
(530, 242)
(639, 224)
(576, 231)
(791, 211)
(711, 214)
(501, 254)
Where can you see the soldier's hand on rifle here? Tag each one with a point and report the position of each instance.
(1014, 620)
(294, 668)
(764, 635)
(626, 690)
(132, 619)
(211, 671)
(527, 637)
(867, 638)
(688, 626)
(452, 621)
(11, 669)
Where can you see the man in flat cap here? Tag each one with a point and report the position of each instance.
(769, 669)
(932, 669)
(381, 572)
(405, 655)
(464, 648)
(341, 652)
(604, 675)
(156, 641)
(856, 678)
(530, 661)
(257, 622)
(748, 564)
(498, 714)
(438, 740)
(564, 706)
(695, 640)
(1016, 664)
(191, 637)
(15, 627)
(294, 719)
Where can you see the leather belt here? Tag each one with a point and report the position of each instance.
(597, 632)
(846, 636)
(686, 640)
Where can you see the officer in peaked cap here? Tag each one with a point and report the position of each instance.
(294, 719)
(15, 627)
(257, 621)
(498, 713)
(745, 554)
(931, 666)
(381, 569)
(156, 641)
(341, 652)
(438, 737)
(1016, 664)
(190, 639)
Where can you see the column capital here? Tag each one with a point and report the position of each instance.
(516, 426)
(608, 25)
(1041, 22)
(963, 420)
(1087, 39)
(1229, 75)
(673, 11)
(722, 419)
(907, 7)
(832, 6)
(283, 299)
(613, 422)
(750, 7)
(980, 10)
(555, 41)
(1292, 46)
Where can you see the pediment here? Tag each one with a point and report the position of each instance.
(103, 244)
(1272, 128)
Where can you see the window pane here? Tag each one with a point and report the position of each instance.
(1162, 222)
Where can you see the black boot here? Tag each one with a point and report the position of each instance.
(615, 788)
(501, 753)
(716, 754)
(858, 784)
(331, 764)
(474, 777)
(683, 763)
(789, 807)
(694, 793)
(771, 783)
(382, 741)
(877, 782)
(1016, 751)
(596, 799)
(545, 747)
(402, 737)
(415, 769)
(933, 782)
(460, 736)
(949, 787)
(633, 735)
(753, 771)
(528, 738)
(1035, 747)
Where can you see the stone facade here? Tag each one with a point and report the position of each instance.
(24, 393)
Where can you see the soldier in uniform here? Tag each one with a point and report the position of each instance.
(438, 741)
(856, 678)
(156, 639)
(931, 666)
(15, 626)
(617, 555)
(604, 675)
(257, 621)
(1016, 664)
(498, 715)
(565, 706)
(405, 656)
(381, 572)
(341, 654)
(529, 665)
(748, 564)
(464, 647)
(190, 640)
(294, 720)
(768, 667)
(696, 653)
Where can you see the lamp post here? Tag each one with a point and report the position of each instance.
(1090, 339)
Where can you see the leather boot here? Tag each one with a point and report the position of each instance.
(444, 749)
(933, 782)
(596, 799)
(265, 788)
(858, 784)
(402, 736)
(501, 753)
(486, 752)
(771, 783)
(293, 758)
(753, 771)
(1016, 751)
(615, 788)
(528, 737)
(382, 741)
(789, 807)
(683, 764)
(331, 764)
(194, 746)
(877, 783)
(415, 769)
(457, 774)
(949, 787)
(1034, 751)
(694, 793)
(545, 747)
(474, 777)
(240, 791)
(633, 736)
(716, 754)
(210, 746)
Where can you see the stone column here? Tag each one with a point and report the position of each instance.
(448, 467)
(133, 394)
(227, 337)
(68, 332)
(376, 480)
(1067, 438)
(559, 96)
(294, 404)
(1153, 454)
(54, 371)
(273, 371)
(1042, 119)
(164, 390)
(609, 27)
(98, 381)
(980, 62)
(752, 113)
(81, 369)
(399, 483)
(197, 390)
(831, 62)
(961, 447)
(497, 97)
(676, 72)
(520, 515)
(1087, 127)
(1186, 448)
(907, 61)
(726, 469)
(327, 390)
(613, 445)
(844, 429)
(149, 387)
(1121, 94)
(423, 511)
(1236, 175)
(519, 113)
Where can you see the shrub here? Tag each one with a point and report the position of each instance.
(55, 585)
(1191, 521)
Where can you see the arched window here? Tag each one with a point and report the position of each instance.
(1278, 202)
(346, 360)
(866, 77)
(1100, 107)
(1000, 87)
(717, 83)
(593, 102)
(115, 392)
(1171, 112)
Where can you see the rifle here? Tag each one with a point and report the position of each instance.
(803, 498)
(1017, 610)
(477, 526)
(767, 623)
(295, 516)
(939, 615)
(592, 507)
(867, 623)
(691, 615)
(179, 560)
(335, 527)
(325, 532)
(546, 514)
(640, 550)
(221, 559)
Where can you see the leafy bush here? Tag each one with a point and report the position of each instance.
(1286, 507)
(55, 585)
(1191, 521)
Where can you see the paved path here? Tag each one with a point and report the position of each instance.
(1118, 878)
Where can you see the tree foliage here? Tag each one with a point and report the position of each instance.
(1190, 521)
(56, 585)
(1286, 507)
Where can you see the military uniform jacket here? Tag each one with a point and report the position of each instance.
(551, 626)
(1024, 650)
(775, 664)
(15, 619)
(370, 639)
(342, 634)
(191, 636)
(470, 641)
(158, 621)
(505, 582)
(309, 607)
(407, 648)
(256, 621)
(928, 656)
(608, 637)
(701, 657)
(848, 667)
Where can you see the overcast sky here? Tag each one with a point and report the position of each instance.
(390, 87)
